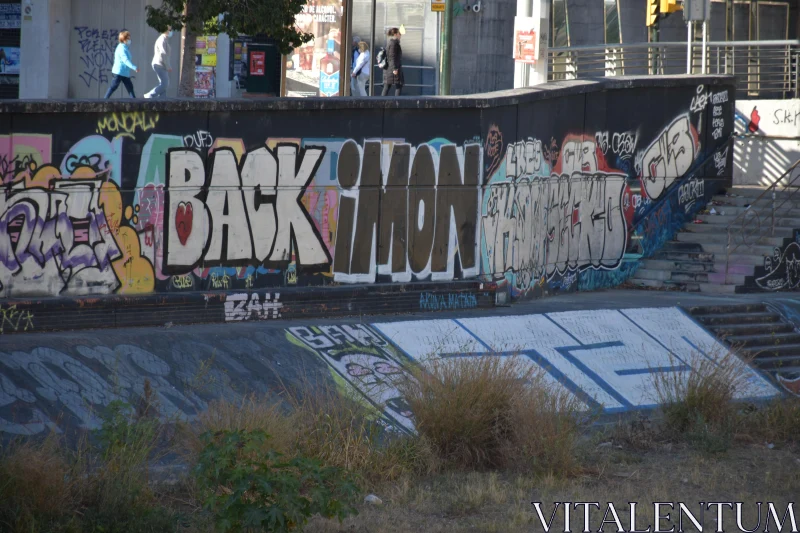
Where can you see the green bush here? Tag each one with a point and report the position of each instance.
(251, 488)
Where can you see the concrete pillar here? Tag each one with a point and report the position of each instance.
(521, 69)
(223, 66)
(44, 49)
(541, 8)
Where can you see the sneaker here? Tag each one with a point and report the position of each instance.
(148, 95)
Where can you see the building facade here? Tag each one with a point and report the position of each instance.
(65, 48)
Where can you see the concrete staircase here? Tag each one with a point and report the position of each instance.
(695, 260)
(756, 332)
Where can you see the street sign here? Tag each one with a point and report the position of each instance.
(696, 10)
(437, 5)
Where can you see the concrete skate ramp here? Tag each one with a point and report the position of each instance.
(606, 358)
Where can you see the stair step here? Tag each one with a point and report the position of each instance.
(764, 214)
(784, 363)
(686, 286)
(762, 203)
(725, 220)
(648, 283)
(754, 250)
(721, 238)
(676, 255)
(754, 191)
(764, 340)
(739, 318)
(780, 231)
(768, 350)
(734, 268)
(718, 288)
(683, 266)
(784, 369)
(650, 274)
(728, 330)
(678, 246)
(705, 310)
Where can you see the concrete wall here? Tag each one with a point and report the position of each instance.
(93, 39)
(44, 66)
(768, 141)
(540, 191)
(604, 357)
(482, 48)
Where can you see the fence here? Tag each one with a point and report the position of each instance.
(763, 69)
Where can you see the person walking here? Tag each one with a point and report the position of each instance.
(123, 66)
(161, 64)
(354, 57)
(361, 68)
(393, 75)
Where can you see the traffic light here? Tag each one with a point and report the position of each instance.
(670, 6)
(653, 11)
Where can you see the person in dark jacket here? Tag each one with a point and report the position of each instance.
(393, 75)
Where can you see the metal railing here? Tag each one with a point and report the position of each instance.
(765, 69)
(750, 223)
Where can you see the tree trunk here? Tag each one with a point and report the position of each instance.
(188, 50)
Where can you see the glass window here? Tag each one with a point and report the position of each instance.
(611, 16)
(560, 33)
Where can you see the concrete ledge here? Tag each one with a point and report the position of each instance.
(88, 312)
(486, 100)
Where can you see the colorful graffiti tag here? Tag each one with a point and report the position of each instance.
(144, 204)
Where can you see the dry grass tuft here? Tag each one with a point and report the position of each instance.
(37, 484)
(776, 422)
(703, 395)
(251, 413)
(493, 411)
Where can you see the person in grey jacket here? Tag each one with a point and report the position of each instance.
(161, 64)
(393, 75)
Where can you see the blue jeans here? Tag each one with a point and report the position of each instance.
(163, 82)
(124, 80)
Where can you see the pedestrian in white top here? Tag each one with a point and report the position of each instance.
(161, 65)
(361, 68)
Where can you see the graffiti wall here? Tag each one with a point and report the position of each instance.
(607, 359)
(554, 191)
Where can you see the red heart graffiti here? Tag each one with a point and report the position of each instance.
(183, 221)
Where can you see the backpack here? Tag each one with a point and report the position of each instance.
(382, 62)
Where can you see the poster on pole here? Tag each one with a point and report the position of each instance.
(525, 39)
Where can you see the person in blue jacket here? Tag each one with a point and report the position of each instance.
(123, 66)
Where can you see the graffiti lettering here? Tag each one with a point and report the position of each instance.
(689, 192)
(366, 362)
(624, 144)
(436, 302)
(669, 156)
(96, 54)
(524, 158)
(786, 116)
(183, 282)
(701, 100)
(429, 206)
(12, 319)
(127, 123)
(201, 139)
(721, 161)
(251, 213)
(240, 307)
(782, 269)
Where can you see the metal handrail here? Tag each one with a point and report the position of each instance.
(754, 209)
(672, 44)
(767, 69)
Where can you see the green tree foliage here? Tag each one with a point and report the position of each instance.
(273, 18)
